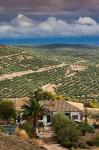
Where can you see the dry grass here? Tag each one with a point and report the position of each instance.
(13, 143)
(22, 135)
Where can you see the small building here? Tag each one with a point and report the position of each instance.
(70, 109)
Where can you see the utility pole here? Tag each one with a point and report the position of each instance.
(85, 109)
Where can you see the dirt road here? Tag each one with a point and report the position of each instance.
(21, 73)
(50, 141)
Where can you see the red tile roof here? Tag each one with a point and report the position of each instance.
(60, 106)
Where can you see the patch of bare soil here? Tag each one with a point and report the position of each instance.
(89, 137)
(49, 87)
(75, 68)
(9, 56)
(19, 102)
(97, 65)
(21, 73)
(50, 141)
(12, 143)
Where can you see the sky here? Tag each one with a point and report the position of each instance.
(49, 19)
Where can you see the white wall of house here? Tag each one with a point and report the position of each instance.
(78, 114)
(44, 120)
(74, 114)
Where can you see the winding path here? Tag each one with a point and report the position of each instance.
(50, 142)
(21, 73)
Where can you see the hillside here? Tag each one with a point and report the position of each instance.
(12, 143)
(72, 69)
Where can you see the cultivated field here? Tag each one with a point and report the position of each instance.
(74, 70)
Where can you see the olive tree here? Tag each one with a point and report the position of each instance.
(7, 110)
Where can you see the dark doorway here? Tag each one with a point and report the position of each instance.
(48, 118)
(67, 115)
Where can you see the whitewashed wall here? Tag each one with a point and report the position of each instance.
(75, 113)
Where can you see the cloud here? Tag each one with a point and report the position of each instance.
(2, 10)
(23, 21)
(22, 26)
(69, 9)
(49, 5)
(86, 21)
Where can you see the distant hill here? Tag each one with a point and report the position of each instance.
(48, 46)
(73, 69)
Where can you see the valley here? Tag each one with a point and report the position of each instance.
(73, 69)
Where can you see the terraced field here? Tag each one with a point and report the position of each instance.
(73, 69)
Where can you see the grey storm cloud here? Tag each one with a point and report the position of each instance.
(51, 5)
(23, 26)
(84, 18)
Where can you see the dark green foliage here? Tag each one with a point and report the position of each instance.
(39, 94)
(95, 116)
(82, 145)
(41, 125)
(2, 129)
(15, 59)
(96, 141)
(28, 128)
(33, 110)
(85, 128)
(7, 110)
(66, 131)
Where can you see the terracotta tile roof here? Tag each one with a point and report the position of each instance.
(93, 110)
(78, 105)
(60, 106)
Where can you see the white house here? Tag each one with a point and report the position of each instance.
(71, 109)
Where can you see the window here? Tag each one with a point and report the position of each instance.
(75, 117)
(67, 115)
(48, 118)
(41, 118)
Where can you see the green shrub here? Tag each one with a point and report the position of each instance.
(66, 130)
(2, 129)
(85, 128)
(96, 141)
(82, 145)
(41, 125)
(28, 128)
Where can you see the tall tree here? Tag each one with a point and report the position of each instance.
(34, 110)
(7, 110)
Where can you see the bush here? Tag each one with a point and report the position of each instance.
(82, 145)
(41, 125)
(28, 128)
(66, 130)
(96, 141)
(2, 129)
(22, 134)
(7, 110)
(85, 128)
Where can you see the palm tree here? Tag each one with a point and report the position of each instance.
(34, 110)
